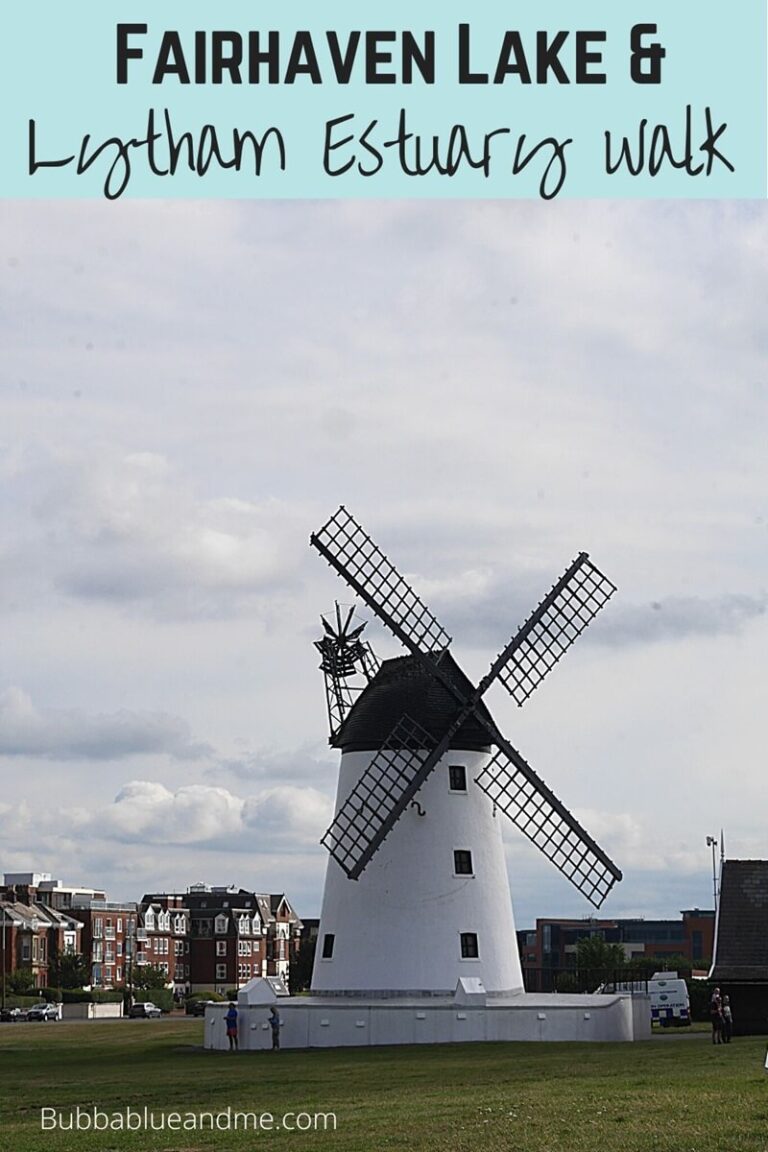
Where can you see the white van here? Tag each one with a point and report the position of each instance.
(670, 1002)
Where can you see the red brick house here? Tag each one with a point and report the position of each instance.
(31, 937)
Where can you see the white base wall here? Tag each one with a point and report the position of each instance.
(91, 1011)
(315, 1022)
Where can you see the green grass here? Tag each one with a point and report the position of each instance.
(672, 1094)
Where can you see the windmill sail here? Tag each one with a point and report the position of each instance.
(380, 796)
(552, 628)
(514, 787)
(350, 550)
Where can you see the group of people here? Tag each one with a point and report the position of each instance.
(230, 1022)
(722, 1018)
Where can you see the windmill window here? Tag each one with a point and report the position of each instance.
(457, 777)
(462, 862)
(328, 941)
(469, 949)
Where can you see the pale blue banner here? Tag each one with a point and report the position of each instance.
(242, 99)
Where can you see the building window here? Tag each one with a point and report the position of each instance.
(328, 941)
(469, 946)
(462, 862)
(221, 925)
(457, 777)
(221, 947)
(119, 924)
(221, 971)
(118, 974)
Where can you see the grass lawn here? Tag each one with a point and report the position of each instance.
(676, 1093)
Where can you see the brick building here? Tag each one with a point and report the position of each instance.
(234, 935)
(208, 938)
(163, 938)
(108, 939)
(553, 944)
(32, 937)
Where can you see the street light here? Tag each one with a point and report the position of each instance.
(4, 957)
(712, 843)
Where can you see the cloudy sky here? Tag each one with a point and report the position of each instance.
(187, 390)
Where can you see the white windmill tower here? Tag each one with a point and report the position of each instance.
(416, 892)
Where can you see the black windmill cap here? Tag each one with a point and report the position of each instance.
(404, 686)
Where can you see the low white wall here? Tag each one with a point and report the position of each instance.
(91, 1011)
(309, 1023)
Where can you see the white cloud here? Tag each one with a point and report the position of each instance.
(146, 812)
(58, 734)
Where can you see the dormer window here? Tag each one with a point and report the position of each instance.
(221, 925)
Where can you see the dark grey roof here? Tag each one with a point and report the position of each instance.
(741, 948)
(403, 686)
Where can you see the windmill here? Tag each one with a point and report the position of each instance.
(394, 826)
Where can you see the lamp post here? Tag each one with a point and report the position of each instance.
(712, 843)
(2, 1005)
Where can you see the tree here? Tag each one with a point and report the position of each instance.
(21, 982)
(651, 964)
(148, 977)
(69, 970)
(593, 954)
(302, 961)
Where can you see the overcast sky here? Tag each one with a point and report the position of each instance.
(187, 390)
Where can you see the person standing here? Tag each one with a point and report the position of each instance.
(231, 1022)
(275, 1023)
(727, 1020)
(716, 1016)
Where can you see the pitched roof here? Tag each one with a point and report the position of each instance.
(741, 945)
(403, 686)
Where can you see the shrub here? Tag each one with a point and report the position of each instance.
(50, 995)
(162, 997)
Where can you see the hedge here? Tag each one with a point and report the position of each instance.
(96, 996)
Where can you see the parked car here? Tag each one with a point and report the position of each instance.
(9, 1015)
(43, 1012)
(197, 1007)
(145, 1009)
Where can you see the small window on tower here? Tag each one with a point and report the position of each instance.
(457, 777)
(328, 941)
(469, 946)
(462, 862)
